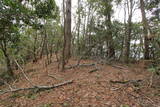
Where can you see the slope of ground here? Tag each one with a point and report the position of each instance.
(87, 90)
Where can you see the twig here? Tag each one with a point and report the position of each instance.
(37, 87)
(22, 70)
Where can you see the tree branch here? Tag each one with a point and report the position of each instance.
(37, 87)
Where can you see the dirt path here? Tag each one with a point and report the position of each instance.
(87, 90)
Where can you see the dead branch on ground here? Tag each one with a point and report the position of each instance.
(80, 65)
(93, 70)
(37, 87)
(135, 83)
(125, 82)
(119, 67)
(110, 64)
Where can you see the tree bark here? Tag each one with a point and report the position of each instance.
(78, 27)
(68, 30)
(128, 32)
(9, 67)
(34, 48)
(111, 51)
(43, 46)
(145, 30)
(66, 54)
(64, 39)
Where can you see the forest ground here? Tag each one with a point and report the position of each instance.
(89, 89)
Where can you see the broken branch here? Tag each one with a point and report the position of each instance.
(125, 82)
(37, 87)
(80, 65)
(93, 70)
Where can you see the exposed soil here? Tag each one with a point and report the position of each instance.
(88, 89)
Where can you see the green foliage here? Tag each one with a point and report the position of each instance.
(19, 24)
(46, 9)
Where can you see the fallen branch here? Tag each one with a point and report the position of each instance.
(80, 65)
(110, 64)
(119, 67)
(135, 83)
(93, 70)
(37, 87)
(115, 89)
(125, 82)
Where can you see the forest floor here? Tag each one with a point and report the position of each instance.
(109, 86)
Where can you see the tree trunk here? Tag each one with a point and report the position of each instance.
(66, 54)
(8, 62)
(68, 30)
(78, 27)
(34, 48)
(111, 51)
(129, 30)
(145, 30)
(43, 46)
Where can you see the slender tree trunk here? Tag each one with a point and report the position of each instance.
(111, 51)
(123, 38)
(145, 30)
(78, 26)
(66, 54)
(46, 47)
(68, 32)
(64, 38)
(87, 41)
(8, 62)
(84, 27)
(34, 48)
(129, 30)
(43, 46)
